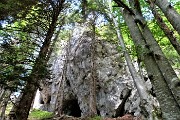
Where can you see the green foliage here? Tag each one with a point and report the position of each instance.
(164, 42)
(40, 115)
(177, 6)
(96, 118)
(8, 108)
(107, 33)
(14, 9)
(20, 42)
(15, 56)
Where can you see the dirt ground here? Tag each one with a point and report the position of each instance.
(125, 117)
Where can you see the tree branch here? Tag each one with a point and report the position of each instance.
(121, 4)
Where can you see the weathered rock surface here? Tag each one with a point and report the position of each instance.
(115, 90)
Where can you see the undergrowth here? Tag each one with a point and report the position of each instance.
(36, 114)
(96, 118)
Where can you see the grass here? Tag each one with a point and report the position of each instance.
(35, 114)
(8, 108)
(96, 118)
(40, 115)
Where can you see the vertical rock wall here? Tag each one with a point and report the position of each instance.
(115, 90)
(112, 78)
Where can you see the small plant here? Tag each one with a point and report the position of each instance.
(96, 118)
(8, 108)
(40, 115)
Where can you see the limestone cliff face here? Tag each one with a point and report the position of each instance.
(115, 91)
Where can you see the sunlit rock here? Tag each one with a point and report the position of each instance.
(115, 90)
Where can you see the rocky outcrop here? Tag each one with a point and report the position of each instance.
(115, 90)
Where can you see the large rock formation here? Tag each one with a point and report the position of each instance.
(115, 90)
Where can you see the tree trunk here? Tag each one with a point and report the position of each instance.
(92, 102)
(138, 81)
(169, 106)
(169, 33)
(3, 104)
(1, 93)
(22, 109)
(171, 14)
(161, 60)
(84, 9)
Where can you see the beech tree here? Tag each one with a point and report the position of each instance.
(161, 89)
(138, 80)
(149, 52)
(171, 14)
(168, 32)
(168, 73)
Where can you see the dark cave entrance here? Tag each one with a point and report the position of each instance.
(71, 108)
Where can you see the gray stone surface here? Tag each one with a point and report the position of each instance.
(113, 78)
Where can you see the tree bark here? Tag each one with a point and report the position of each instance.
(171, 14)
(84, 5)
(161, 60)
(92, 102)
(144, 94)
(169, 107)
(22, 109)
(1, 93)
(3, 104)
(169, 33)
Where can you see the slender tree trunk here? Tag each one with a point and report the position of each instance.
(22, 109)
(84, 9)
(58, 100)
(139, 83)
(161, 60)
(1, 93)
(92, 102)
(51, 48)
(169, 107)
(169, 33)
(3, 104)
(171, 14)
(146, 100)
(60, 96)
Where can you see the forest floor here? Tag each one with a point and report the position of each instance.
(125, 117)
(44, 115)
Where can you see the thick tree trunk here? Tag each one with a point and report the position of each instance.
(161, 60)
(171, 14)
(147, 102)
(169, 33)
(22, 109)
(169, 107)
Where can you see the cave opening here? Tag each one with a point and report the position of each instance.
(71, 108)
